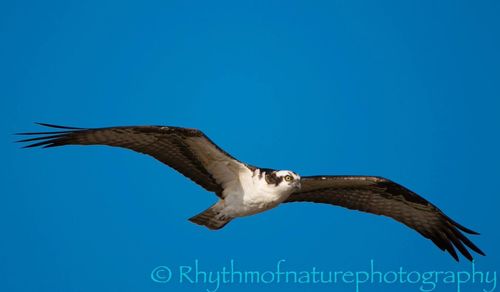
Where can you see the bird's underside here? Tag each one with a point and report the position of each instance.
(246, 190)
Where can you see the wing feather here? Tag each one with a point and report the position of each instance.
(381, 196)
(189, 151)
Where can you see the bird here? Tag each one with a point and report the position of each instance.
(243, 189)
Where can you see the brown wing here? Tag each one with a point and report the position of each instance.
(188, 151)
(383, 197)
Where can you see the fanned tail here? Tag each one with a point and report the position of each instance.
(211, 218)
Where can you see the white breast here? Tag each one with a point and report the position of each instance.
(251, 194)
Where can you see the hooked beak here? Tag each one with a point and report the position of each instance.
(297, 185)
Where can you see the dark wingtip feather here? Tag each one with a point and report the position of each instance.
(461, 227)
(43, 133)
(466, 230)
(41, 138)
(445, 242)
(459, 245)
(57, 126)
(451, 250)
(467, 242)
(42, 143)
(66, 130)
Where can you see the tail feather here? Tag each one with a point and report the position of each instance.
(211, 218)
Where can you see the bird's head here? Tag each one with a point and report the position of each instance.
(285, 179)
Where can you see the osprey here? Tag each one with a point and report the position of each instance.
(245, 190)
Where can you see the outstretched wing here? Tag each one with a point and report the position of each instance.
(383, 197)
(188, 151)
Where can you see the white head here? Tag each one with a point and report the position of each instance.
(284, 179)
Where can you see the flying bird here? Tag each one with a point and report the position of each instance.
(244, 189)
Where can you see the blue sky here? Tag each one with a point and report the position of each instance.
(408, 90)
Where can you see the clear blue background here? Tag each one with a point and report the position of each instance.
(409, 91)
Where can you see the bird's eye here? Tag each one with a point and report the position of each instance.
(288, 178)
